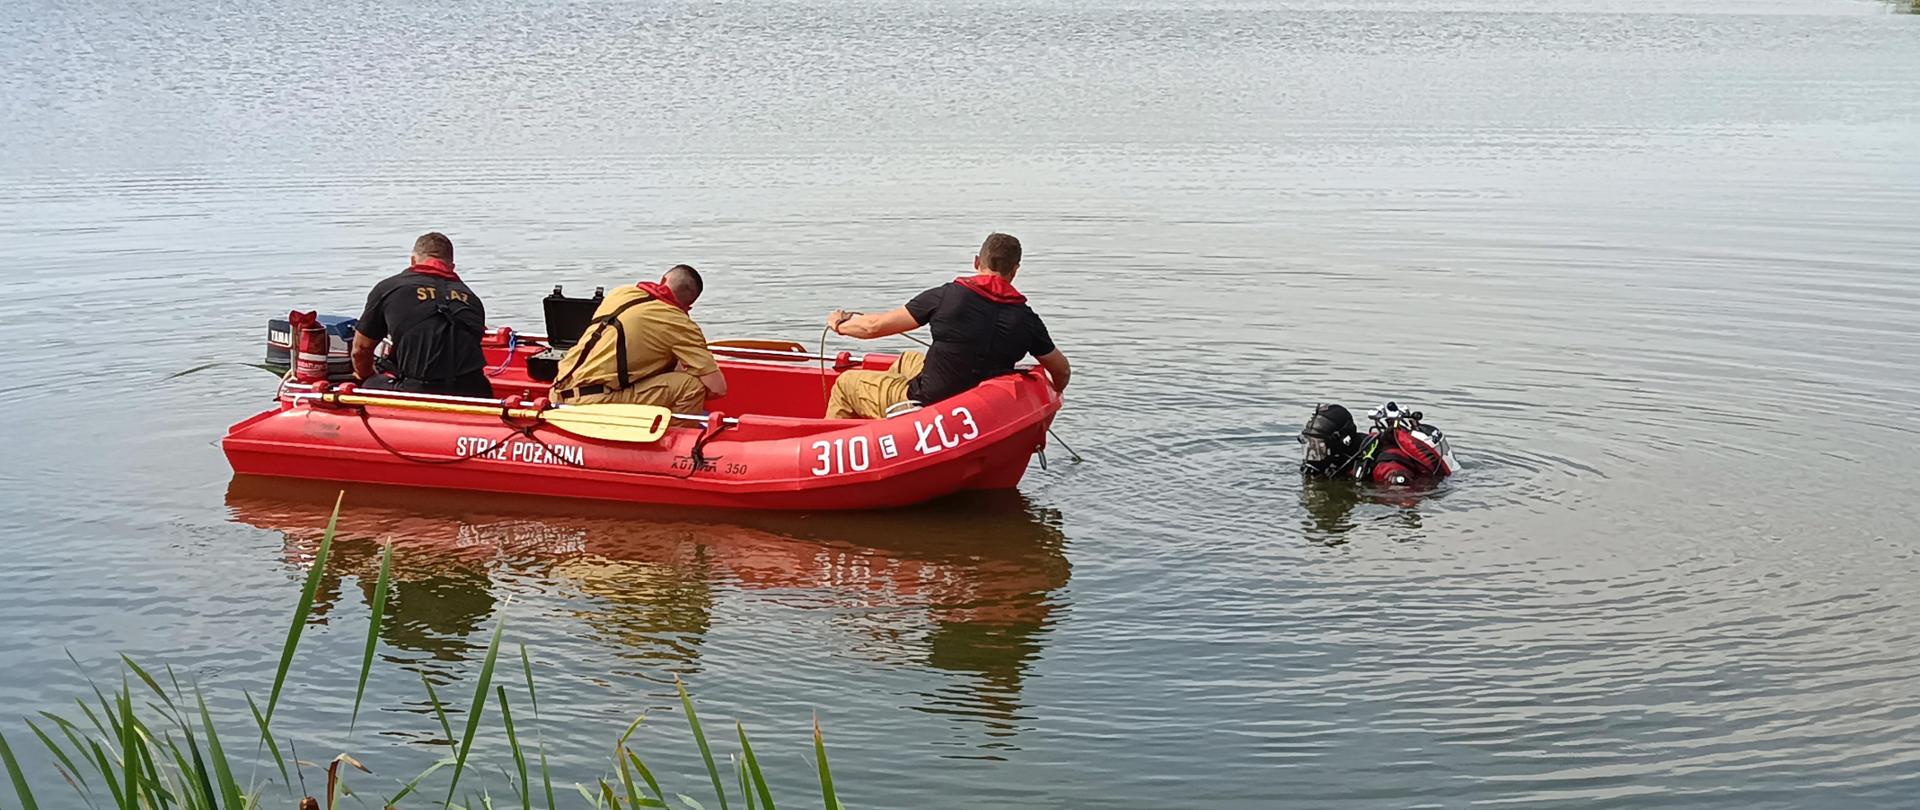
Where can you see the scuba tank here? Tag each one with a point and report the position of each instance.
(1403, 450)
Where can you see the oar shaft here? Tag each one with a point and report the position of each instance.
(447, 404)
(361, 400)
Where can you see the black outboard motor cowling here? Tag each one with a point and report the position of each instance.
(1331, 439)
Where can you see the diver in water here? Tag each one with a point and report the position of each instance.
(1400, 450)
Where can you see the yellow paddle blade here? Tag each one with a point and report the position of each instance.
(613, 422)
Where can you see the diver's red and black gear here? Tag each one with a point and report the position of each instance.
(1400, 450)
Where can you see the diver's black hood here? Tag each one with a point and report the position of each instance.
(1330, 421)
(1331, 441)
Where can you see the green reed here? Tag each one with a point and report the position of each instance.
(151, 746)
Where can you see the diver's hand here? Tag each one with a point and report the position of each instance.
(837, 318)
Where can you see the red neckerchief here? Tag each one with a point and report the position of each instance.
(993, 287)
(662, 292)
(430, 266)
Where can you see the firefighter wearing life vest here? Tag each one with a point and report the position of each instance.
(435, 321)
(643, 347)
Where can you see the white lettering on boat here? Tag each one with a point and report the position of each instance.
(524, 452)
(842, 456)
(888, 447)
(933, 436)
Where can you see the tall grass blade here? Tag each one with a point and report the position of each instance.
(479, 707)
(102, 696)
(304, 610)
(647, 776)
(706, 752)
(18, 776)
(753, 768)
(158, 791)
(148, 680)
(190, 796)
(373, 630)
(440, 711)
(415, 783)
(68, 728)
(626, 778)
(746, 790)
(526, 665)
(540, 734)
(546, 778)
(828, 799)
(200, 772)
(103, 765)
(222, 770)
(128, 763)
(513, 742)
(607, 792)
(267, 740)
(58, 753)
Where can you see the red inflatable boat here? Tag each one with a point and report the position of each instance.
(764, 446)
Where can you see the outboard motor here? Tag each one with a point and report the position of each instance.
(1402, 450)
(1331, 442)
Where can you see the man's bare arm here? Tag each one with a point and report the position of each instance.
(363, 355)
(867, 327)
(1057, 367)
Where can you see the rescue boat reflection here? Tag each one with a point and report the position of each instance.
(968, 584)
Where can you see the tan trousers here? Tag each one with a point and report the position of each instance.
(675, 390)
(868, 394)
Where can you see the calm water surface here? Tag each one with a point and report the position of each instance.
(1649, 262)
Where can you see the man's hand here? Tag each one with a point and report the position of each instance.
(867, 327)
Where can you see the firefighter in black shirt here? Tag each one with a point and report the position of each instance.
(981, 327)
(435, 321)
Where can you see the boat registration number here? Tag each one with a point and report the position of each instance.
(855, 453)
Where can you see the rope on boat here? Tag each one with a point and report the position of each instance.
(366, 420)
(696, 459)
(513, 340)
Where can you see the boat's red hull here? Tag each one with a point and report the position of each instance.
(982, 439)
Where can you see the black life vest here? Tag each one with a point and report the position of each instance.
(419, 353)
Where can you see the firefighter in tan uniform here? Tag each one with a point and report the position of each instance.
(642, 347)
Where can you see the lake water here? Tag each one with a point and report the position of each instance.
(1650, 263)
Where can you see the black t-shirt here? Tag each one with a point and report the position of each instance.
(435, 322)
(973, 339)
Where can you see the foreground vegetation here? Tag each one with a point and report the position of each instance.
(150, 745)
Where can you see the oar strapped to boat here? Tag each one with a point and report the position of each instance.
(614, 422)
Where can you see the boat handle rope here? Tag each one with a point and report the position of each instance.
(513, 341)
(366, 420)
